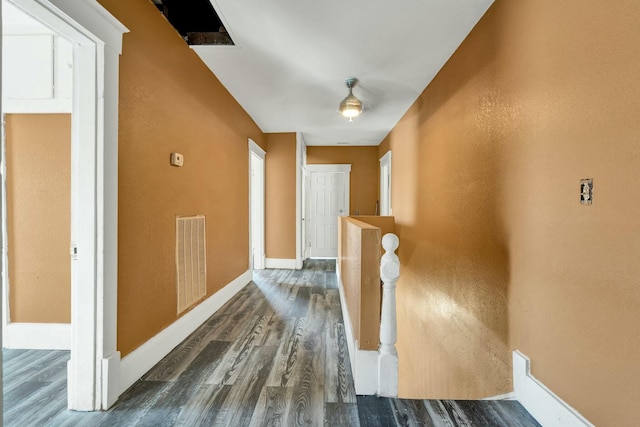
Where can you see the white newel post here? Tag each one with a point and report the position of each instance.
(387, 355)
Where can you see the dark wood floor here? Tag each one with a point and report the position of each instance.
(275, 355)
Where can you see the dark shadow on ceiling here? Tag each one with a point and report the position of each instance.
(195, 20)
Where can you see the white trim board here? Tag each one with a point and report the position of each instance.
(544, 405)
(364, 363)
(385, 163)
(282, 263)
(96, 37)
(135, 365)
(300, 160)
(256, 206)
(505, 396)
(328, 168)
(37, 336)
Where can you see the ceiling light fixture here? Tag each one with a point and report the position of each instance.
(350, 106)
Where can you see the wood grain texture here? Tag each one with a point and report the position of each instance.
(338, 382)
(274, 355)
(375, 411)
(341, 414)
(410, 413)
(270, 408)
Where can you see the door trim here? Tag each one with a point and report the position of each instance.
(97, 44)
(385, 162)
(301, 159)
(257, 151)
(328, 168)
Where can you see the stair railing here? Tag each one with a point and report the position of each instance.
(387, 353)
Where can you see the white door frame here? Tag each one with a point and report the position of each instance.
(256, 211)
(308, 170)
(385, 172)
(97, 44)
(301, 160)
(22, 335)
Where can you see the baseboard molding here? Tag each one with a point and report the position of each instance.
(505, 396)
(364, 363)
(545, 406)
(283, 263)
(37, 336)
(136, 364)
(110, 387)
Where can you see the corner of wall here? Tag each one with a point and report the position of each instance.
(543, 404)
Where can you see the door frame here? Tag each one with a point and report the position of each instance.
(385, 169)
(256, 213)
(92, 370)
(301, 161)
(308, 170)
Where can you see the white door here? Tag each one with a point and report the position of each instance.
(328, 199)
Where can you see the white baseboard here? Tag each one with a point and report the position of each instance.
(110, 387)
(37, 336)
(505, 396)
(289, 264)
(365, 373)
(135, 365)
(546, 407)
(364, 363)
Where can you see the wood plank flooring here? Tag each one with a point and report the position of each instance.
(274, 355)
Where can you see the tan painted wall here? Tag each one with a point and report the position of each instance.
(497, 253)
(169, 101)
(280, 195)
(39, 217)
(365, 167)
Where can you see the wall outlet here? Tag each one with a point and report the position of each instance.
(177, 159)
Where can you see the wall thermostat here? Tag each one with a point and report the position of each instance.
(177, 159)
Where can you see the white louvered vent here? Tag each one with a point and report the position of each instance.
(191, 260)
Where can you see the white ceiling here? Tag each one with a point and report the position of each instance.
(291, 58)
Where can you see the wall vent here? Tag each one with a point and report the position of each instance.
(191, 261)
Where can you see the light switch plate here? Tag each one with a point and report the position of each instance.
(177, 159)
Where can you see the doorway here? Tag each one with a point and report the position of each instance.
(256, 206)
(327, 199)
(385, 185)
(37, 83)
(96, 39)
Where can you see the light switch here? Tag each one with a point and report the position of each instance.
(177, 159)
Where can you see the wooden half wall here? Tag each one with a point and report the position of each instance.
(359, 260)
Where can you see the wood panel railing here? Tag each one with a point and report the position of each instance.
(359, 258)
(372, 352)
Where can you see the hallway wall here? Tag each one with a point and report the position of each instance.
(364, 173)
(497, 252)
(170, 101)
(39, 217)
(280, 196)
